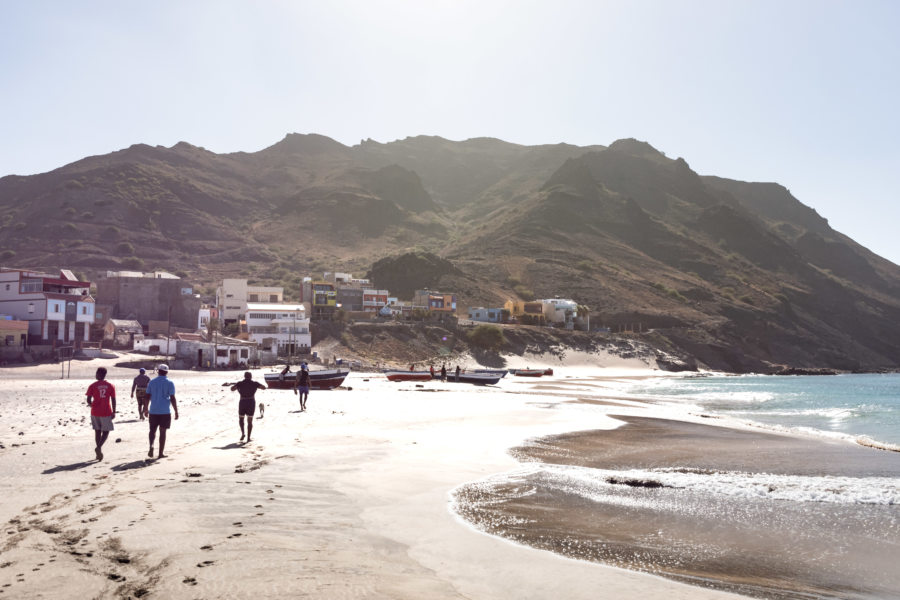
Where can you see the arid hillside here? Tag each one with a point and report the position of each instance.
(743, 276)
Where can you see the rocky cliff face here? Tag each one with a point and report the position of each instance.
(741, 275)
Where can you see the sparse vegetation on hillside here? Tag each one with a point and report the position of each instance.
(740, 274)
(486, 337)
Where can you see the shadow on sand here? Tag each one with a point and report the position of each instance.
(135, 464)
(230, 446)
(72, 467)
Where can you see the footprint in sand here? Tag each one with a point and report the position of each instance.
(206, 563)
(189, 581)
(206, 547)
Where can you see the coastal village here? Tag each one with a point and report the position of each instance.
(52, 316)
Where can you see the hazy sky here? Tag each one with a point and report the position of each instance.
(805, 93)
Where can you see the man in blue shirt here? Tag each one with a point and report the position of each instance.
(161, 393)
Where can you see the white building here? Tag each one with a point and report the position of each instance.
(345, 279)
(560, 311)
(279, 328)
(56, 308)
(167, 346)
(234, 294)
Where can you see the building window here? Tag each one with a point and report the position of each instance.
(56, 308)
(84, 310)
(269, 316)
(244, 353)
(31, 286)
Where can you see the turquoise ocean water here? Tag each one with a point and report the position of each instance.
(865, 407)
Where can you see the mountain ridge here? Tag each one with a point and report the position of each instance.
(741, 275)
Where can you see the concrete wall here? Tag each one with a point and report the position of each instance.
(190, 353)
(148, 299)
(165, 346)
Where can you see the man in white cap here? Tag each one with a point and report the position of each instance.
(160, 394)
(139, 384)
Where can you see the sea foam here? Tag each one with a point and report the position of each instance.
(596, 484)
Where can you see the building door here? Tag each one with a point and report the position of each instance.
(232, 357)
(200, 358)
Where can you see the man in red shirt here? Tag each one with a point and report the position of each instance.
(101, 397)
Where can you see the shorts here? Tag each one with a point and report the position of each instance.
(247, 407)
(161, 421)
(102, 423)
(141, 394)
(303, 389)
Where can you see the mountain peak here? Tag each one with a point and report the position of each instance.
(637, 148)
(307, 143)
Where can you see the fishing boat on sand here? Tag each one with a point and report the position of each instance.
(498, 372)
(325, 379)
(475, 378)
(531, 372)
(398, 375)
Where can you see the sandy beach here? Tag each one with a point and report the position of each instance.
(352, 498)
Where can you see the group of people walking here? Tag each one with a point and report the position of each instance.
(156, 402)
(155, 398)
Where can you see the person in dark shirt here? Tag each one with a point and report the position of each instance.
(139, 385)
(302, 386)
(247, 405)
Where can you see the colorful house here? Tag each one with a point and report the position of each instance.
(432, 301)
(58, 309)
(374, 300)
(324, 298)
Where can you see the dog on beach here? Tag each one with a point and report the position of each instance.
(262, 410)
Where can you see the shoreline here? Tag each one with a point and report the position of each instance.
(352, 497)
(616, 497)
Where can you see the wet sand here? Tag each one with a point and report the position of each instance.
(750, 545)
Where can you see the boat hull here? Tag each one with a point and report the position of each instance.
(408, 375)
(528, 372)
(318, 380)
(478, 378)
(498, 372)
